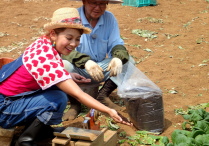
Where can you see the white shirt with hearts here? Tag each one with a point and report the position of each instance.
(44, 63)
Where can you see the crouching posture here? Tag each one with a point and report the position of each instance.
(34, 88)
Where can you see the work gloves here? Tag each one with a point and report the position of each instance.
(94, 70)
(115, 66)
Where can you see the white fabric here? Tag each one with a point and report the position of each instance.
(115, 66)
(94, 70)
(44, 63)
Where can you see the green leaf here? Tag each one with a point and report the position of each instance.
(154, 137)
(187, 117)
(180, 47)
(202, 125)
(197, 132)
(148, 50)
(195, 115)
(147, 140)
(205, 61)
(202, 140)
(164, 140)
(190, 141)
(175, 135)
(122, 134)
(181, 139)
(145, 33)
(131, 138)
(121, 141)
(199, 40)
(202, 65)
(133, 143)
(111, 125)
(184, 125)
(183, 144)
(173, 91)
(206, 117)
(142, 132)
(169, 144)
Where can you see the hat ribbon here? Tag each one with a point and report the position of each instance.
(74, 20)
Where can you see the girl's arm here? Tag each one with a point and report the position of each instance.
(72, 89)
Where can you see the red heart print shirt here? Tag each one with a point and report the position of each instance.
(44, 63)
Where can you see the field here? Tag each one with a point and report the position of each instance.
(175, 57)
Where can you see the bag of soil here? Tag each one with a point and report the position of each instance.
(142, 98)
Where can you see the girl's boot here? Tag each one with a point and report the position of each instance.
(32, 133)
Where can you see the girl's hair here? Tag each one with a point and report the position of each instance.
(59, 30)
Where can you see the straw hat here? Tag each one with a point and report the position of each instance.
(110, 1)
(66, 18)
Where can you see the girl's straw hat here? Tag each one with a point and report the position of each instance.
(66, 18)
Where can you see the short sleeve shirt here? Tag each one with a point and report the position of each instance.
(104, 36)
(44, 63)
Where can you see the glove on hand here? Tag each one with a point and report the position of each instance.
(115, 67)
(94, 70)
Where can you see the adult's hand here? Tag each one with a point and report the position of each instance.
(94, 70)
(79, 78)
(115, 67)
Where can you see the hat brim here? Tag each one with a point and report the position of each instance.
(50, 26)
(110, 1)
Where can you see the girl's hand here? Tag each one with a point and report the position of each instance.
(114, 115)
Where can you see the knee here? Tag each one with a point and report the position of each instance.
(60, 98)
(62, 101)
(68, 66)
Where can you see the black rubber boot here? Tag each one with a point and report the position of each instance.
(73, 112)
(103, 95)
(32, 133)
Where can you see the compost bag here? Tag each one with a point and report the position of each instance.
(142, 98)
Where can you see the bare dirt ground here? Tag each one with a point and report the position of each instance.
(176, 60)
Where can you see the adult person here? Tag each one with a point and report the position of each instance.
(34, 88)
(100, 55)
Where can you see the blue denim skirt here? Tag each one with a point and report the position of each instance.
(47, 105)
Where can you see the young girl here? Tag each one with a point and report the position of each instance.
(34, 88)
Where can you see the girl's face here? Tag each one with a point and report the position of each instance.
(66, 41)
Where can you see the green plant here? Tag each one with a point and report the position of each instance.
(111, 124)
(195, 130)
(122, 134)
(147, 138)
(145, 33)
